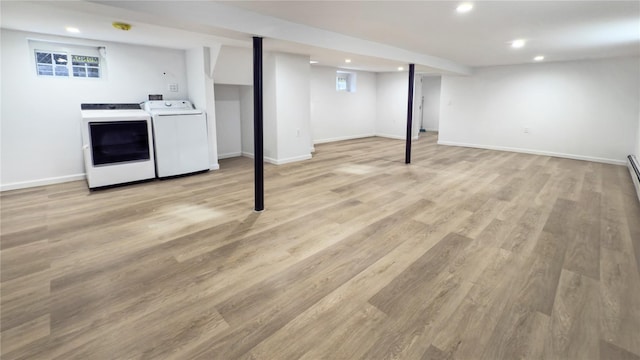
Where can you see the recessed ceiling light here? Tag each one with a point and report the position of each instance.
(400, 68)
(464, 7)
(312, 62)
(538, 58)
(347, 60)
(516, 44)
(72, 29)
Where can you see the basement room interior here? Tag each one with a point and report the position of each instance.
(276, 180)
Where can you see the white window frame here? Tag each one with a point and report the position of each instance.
(71, 51)
(345, 81)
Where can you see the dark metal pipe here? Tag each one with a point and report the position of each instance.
(632, 161)
(258, 125)
(407, 153)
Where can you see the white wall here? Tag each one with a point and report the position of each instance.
(40, 121)
(431, 92)
(286, 104)
(200, 62)
(586, 110)
(234, 115)
(269, 108)
(293, 107)
(417, 102)
(234, 66)
(246, 119)
(637, 149)
(391, 117)
(340, 115)
(228, 117)
(286, 109)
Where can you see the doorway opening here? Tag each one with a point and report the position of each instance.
(430, 104)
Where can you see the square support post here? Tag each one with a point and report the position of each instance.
(407, 154)
(258, 150)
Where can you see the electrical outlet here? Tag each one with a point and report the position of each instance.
(173, 87)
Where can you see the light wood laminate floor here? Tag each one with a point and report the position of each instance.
(465, 254)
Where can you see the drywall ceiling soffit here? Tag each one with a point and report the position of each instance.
(94, 20)
(595, 29)
(336, 59)
(217, 15)
(561, 30)
(51, 18)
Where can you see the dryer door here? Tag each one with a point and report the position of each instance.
(119, 141)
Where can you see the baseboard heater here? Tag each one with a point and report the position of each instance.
(634, 169)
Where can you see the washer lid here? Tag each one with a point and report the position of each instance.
(170, 107)
(175, 112)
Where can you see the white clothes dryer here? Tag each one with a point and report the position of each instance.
(117, 144)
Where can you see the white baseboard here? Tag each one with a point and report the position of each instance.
(215, 166)
(341, 138)
(287, 160)
(273, 161)
(391, 136)
(41, 182)
(229, 155)
(535, 152)
(397, 137)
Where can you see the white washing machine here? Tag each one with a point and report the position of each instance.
(180, 137)
(117, 144)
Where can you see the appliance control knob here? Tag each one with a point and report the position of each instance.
(167, 104)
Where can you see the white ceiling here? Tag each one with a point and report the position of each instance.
(376, 35)
(559, 30)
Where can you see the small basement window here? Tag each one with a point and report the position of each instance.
(52, 63)
(65, 60)
(345, 81)
(85, 66)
